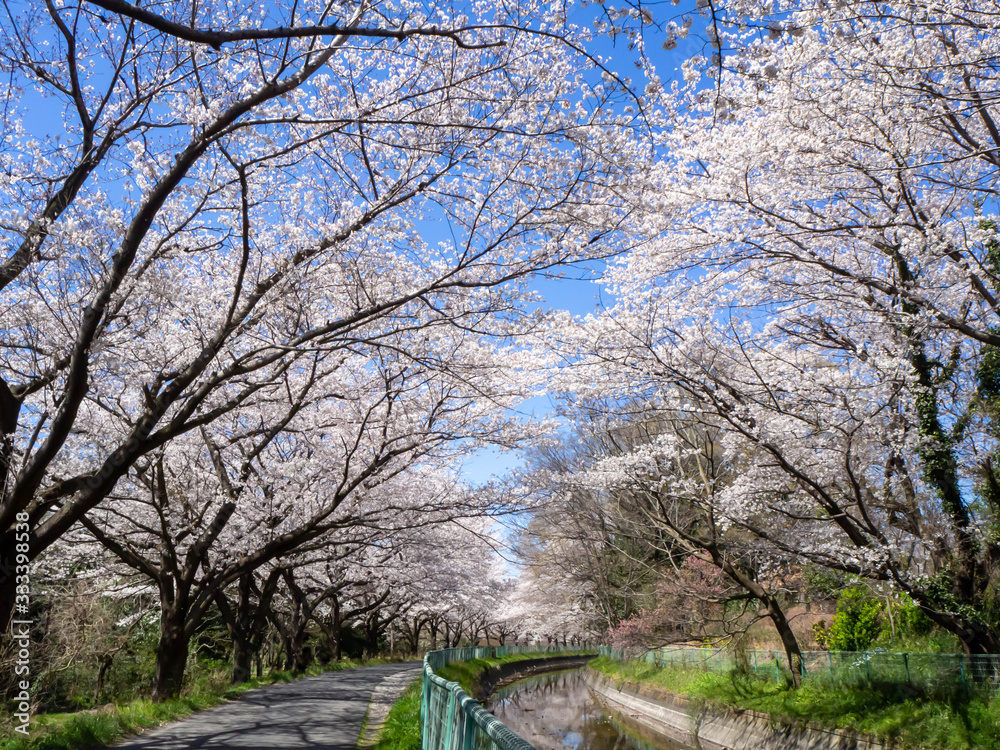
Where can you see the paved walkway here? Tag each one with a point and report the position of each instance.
(322, 713)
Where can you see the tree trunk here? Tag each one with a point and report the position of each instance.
(8, 538)
(238, 624)
(788, 639)
(287, 649)
(300, 655)
(297, 656)
(171, 656)
(335, 645)
(242, 661)
(275, 653)
(335, 630)
(303, 658)
(8, 579)
(774, 612)
(371, 637)
(102, 672)
(413, 636)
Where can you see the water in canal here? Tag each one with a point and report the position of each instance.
(555, 711)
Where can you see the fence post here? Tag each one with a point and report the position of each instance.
(961, 671)
(425, 709)
(777, 668)
(906, 663)
(468, 725)
(829, 659)
(755, 663)
(868, 668)
(449, 727)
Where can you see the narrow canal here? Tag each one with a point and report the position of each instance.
(556, 710)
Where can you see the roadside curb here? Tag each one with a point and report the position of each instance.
(385, 694)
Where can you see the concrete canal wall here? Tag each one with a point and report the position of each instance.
(674, 717)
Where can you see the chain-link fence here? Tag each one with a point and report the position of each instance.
(451, 719)
(929, 673)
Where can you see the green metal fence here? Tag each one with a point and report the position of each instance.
(451, 719)
(932, 673)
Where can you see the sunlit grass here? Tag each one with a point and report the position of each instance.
(401, 730)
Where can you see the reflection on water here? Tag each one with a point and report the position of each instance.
(556, 710)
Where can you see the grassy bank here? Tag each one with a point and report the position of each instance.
(102, 726)
(401, 730)
(895, 714)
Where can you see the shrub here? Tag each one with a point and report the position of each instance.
(821, 634)
(857, 623)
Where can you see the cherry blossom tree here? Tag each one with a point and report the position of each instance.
(647, 481)
(324, 481)
(223, 191)
(689, 603)
(551, 607)
(206, 566)
(573, 529)
(820, 286)
(246, 618)
(456, 578)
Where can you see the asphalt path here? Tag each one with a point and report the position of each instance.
(323, 713)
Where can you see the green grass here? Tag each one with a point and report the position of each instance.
(891, 713)
(401, 730)
(102, 726)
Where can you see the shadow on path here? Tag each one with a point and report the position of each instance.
(323, 713)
